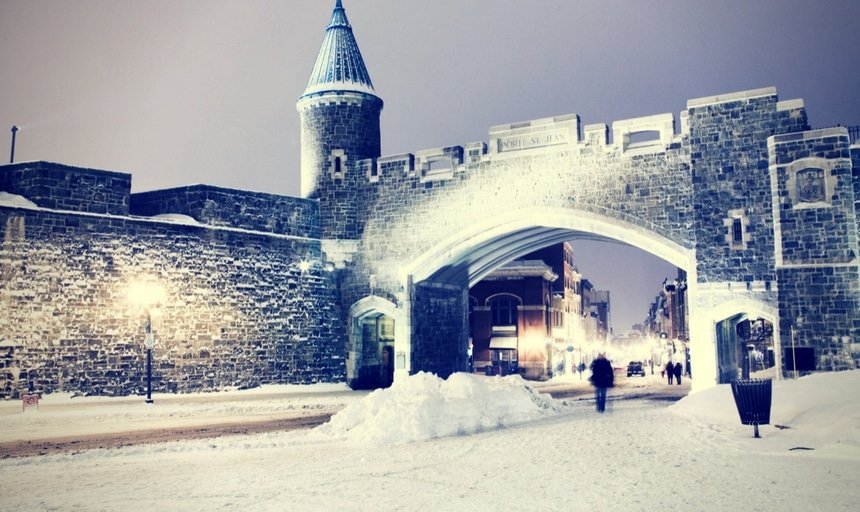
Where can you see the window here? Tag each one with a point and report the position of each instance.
(337, 164)
(737, 231)
(504, 310)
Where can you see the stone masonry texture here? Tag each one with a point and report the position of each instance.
(241, 308)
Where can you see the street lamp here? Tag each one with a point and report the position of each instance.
(149, 343)
(12, 153)
(149, 296)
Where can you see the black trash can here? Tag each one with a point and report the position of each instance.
(753, 398)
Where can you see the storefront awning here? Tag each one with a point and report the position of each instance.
(503, 343)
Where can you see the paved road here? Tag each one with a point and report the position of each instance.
(77, 444)
(635, 388)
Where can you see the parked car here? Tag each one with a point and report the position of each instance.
(635, 368)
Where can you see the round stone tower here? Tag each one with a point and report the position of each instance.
(340, 126)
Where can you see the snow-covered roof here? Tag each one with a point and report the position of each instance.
(339, 65)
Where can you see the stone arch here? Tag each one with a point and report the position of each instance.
(440, 277)
(723, 322)
(370, 362)
(485, 244)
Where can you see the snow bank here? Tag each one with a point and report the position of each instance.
(176, 218)
(423, 406)
(820, 411)
(15, 201)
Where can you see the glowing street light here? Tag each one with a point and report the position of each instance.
(149, 296)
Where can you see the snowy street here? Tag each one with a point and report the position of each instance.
(472, 444)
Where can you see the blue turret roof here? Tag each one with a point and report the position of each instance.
(339, 66)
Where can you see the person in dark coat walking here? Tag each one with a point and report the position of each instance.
(678, 370)
(602, 377)
(670, 370)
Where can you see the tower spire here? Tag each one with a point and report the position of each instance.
(339, 65)
(340, 127)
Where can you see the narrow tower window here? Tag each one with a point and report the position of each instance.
(337, 164)
(736, 235)
(737, 231)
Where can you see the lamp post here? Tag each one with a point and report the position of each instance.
(149, 343)
(149, 296)
(12, 154)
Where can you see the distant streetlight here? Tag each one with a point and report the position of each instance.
(12, 154)
(149, 296)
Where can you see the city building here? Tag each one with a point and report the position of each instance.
(527, 316)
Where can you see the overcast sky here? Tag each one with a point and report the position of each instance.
(203, 91)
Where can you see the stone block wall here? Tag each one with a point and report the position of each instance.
(406, 214)
(63, 187)
(821, 305)
(817, 244)
(855, 170)
(343, 126)
(812, 176)
(216, 206)
(439, 329)
(240, 308)
(729, 158)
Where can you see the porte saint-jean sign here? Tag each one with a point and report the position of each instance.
(533, 140)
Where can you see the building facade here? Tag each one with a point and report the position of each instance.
(527, 317)
(512, 319)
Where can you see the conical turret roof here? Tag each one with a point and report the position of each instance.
(339, 66)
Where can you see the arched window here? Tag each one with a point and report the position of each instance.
(504, 309)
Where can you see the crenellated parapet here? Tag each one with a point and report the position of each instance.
(524, 140)
(64, 187)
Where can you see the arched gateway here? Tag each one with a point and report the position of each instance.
(758, 209)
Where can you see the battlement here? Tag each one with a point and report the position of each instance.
(75, 189)
(64, 187)
(626, 137)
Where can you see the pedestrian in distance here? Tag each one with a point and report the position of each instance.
(602, 377)
(678, 370)
(670, 371)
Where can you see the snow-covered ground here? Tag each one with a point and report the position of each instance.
(468, 443)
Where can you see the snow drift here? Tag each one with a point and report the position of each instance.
(423, 406)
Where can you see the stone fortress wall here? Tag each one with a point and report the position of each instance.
(688, 186)
(247, 299)
(255, 293)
